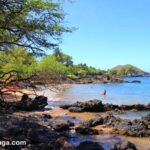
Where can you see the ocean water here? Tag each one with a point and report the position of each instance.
(124, 93)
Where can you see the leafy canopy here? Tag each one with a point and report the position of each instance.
(18, 60)
(35, 25)
(50, 68)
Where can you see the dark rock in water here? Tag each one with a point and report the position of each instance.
(39, 103)
(71, 124)
(138, 107)
(126, 107)
(135, 81)
(60, 125)
(94, 122)
(65, 106)
(109, 107)
(135, 128)
(40, 135)
(86, 130)
(59, 144)
(28, 104)
(98, 106)
(46, 116)
(88, 106)
(35, 131)
(89, 145)
(108, 118)
(146, 119)
(76, 109)
(104, 119)
(125, 145)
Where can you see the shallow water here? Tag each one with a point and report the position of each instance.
(133, 115)
(125, 93)
(106, 140)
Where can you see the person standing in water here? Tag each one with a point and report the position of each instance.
(104, 93)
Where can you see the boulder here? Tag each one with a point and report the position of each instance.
(76, 109)
(28, 104)
(89, 145)
(146, 119)
(97, 106)
(86, 130)
(88, 106)
(59, 144)
(93, 122)
(124, 145)
(60, 124)
(39, 103)
(135, 128)
(46, 116)
(138, 107)
(65, 106)
(40, 135)
(135, 81)
(109, 107)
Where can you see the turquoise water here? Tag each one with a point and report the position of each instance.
(125, 93)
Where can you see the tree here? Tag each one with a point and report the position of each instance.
(18, 60)
(35, 25)
(50, 68)
(63, 58)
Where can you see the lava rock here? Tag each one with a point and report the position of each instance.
(89, 145)
(28, 104)
(135, 128)
(86, 130)
(60, 124)
(135, 81)
(124, 145)
(93, 122)
(88, 106)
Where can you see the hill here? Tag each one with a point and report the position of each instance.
(127, 70)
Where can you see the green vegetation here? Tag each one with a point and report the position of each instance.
(35, 25)
(60, 65)
(126, 70)
(51, 67)
(30, 27)
(18, 60)
(27, 29)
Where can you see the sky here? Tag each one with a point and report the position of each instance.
(109, 32)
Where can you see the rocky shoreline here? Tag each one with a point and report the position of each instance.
(91, 79)
(97, 79)
(98, 106)
(27, 120)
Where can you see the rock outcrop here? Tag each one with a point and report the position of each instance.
(86, 130)
(88, 106)
(124, 145)
(97, 106)
(89, 145)
(134, 128)
(28, 104)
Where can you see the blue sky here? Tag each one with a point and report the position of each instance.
(109, 32)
